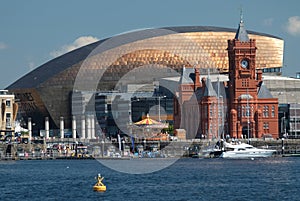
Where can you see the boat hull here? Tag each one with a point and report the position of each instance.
(259, 153)
(243, 150)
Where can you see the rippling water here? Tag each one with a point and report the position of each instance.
(187, 179)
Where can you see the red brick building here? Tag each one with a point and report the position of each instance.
(245, 107)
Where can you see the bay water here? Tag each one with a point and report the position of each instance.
(275, 178)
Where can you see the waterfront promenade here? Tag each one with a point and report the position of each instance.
(69, 149)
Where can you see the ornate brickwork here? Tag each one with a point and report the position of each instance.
(251, 110)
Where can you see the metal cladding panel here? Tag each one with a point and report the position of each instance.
(211, 42)
(101, 65)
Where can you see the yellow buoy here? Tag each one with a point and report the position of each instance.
(99, 186)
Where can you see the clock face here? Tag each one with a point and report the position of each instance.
(244, 63)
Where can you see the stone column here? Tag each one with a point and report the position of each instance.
(47, 127)
(83, 127)
(88, 125)
(61, 127)
(74, 127)
(29, 129)
(93, 126)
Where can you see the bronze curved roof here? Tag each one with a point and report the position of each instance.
(61, 63)
(46, 90)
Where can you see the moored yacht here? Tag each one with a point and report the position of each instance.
(243, 150)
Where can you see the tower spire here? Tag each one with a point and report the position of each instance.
(241, 33)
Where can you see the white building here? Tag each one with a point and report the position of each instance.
(8, 113)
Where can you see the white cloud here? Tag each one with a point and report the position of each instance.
(79, 42)
(2, 46)
(293, 25)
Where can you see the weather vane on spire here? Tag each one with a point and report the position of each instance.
(241, 14)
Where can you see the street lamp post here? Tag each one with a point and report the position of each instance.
(283, 125)
(130, 118)
(295, 115)
(123, 142)
(248, 131)
(282, 146)
(295, 118)
(102, 142)
(248, 116)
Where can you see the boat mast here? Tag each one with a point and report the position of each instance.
(218, 108)
(248, 114)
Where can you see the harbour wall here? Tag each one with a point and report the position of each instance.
(96, 148)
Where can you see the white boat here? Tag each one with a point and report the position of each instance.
(209, 153)
(243, 150)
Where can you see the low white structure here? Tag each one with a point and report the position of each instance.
(8, 112)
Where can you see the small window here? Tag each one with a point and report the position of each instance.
(248, 112)
(8, 103)
(273, 111)
(266, 111)
(8, 120)
(266, 125)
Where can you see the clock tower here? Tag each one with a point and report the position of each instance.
(243, 84)
(242, 69)
(252, 111)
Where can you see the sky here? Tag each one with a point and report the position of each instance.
(33, 32)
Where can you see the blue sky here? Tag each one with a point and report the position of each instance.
(33, 32)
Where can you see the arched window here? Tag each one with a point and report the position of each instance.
(266, 111)
(248, 111)
(266, 125)
(243, 111)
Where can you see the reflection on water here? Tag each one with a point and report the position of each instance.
(186, 179)
(138, 165)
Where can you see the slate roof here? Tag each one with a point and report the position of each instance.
(209, 90)
(222, 89)
(264, 92)
(186, 76)
(241, 33)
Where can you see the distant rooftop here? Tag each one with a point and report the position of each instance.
(224, 77)
(4, 92)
